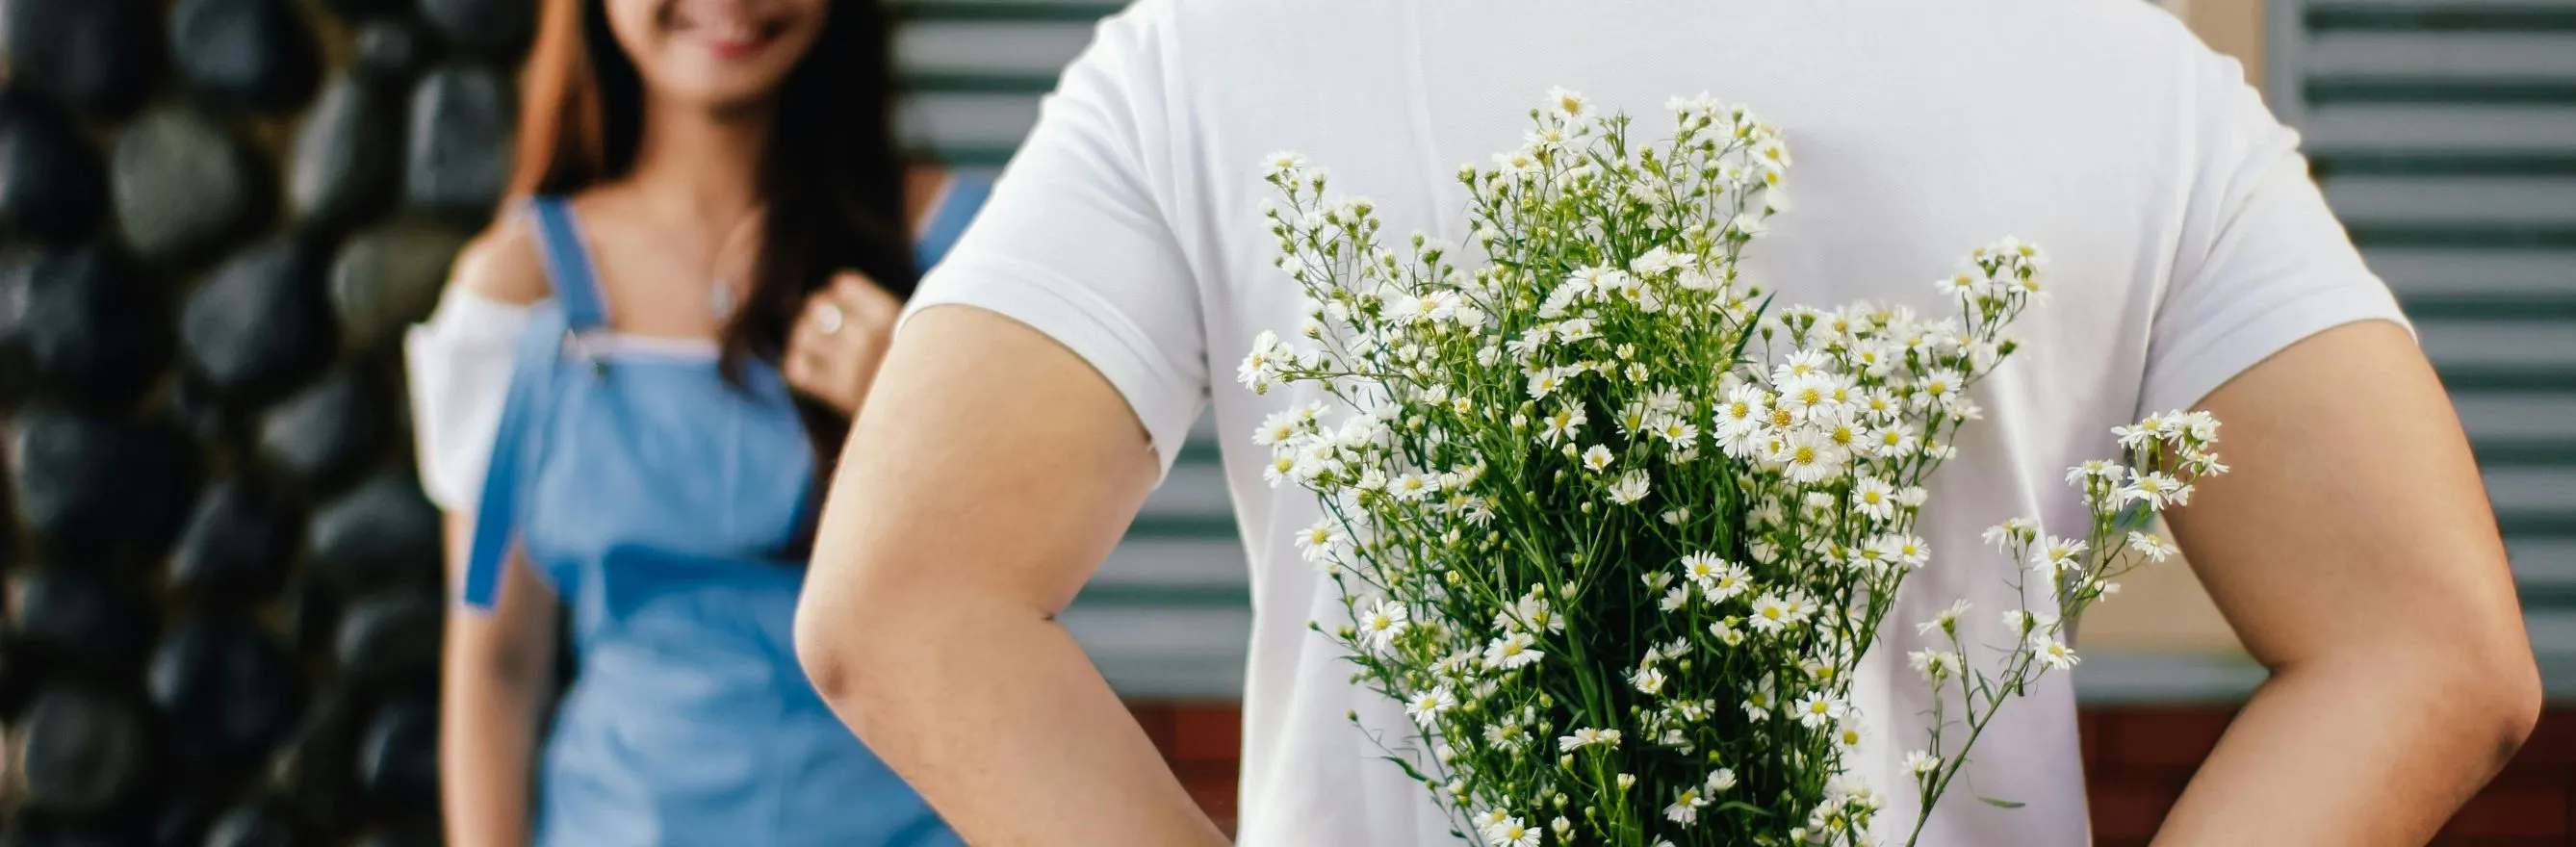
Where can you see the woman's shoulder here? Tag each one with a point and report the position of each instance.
(504, 263)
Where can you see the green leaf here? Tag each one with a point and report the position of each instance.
(2002, 804)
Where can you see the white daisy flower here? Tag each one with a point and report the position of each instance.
(2147, 430)
(1648, 680)
(1720, 780)
(1425, 708)
(2155, 489)
(2054, 553)
(1658, 261)
(2155, 547)
(1817, 709)
(1922, 763)
(1512, 833)
(1702, 568)
(1516, 650)
(1562, 424)
(1730, 581)
(1597, 458)
(1321, 542)
(1569, 103)
(1773, 613)
(1945, 621)
(1261, 367)
(2052, 651)
(1383, 623)
(1874, 497)
(1934, 665)
(1631, 487)
(2094, 469)
(1285, 162)
(1412, 486)
(1685, 807)
(1810, 457)
(1938, 390)
(1588, 737)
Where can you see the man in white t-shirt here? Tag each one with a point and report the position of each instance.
(1052, 364)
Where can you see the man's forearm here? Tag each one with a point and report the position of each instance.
(2372, 751)
(995, 715)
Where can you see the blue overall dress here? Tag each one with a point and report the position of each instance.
(651, 495)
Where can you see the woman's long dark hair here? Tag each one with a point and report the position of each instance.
(831, 178)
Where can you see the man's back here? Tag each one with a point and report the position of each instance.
(2180, 221)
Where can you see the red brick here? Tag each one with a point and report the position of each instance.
(1212, 784)
(2532, 804)
(1207, 732)
(1156, 718)
(2176, 737)
(2552, 742)
(2088, 728)
(2126, 806)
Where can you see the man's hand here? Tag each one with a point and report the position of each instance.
(838, 341)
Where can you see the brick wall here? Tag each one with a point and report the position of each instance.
(2136, 759)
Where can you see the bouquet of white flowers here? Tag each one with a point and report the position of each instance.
(1615, 529)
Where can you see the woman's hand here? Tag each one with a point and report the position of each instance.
(838, 340)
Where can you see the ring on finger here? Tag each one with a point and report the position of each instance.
(828, 318)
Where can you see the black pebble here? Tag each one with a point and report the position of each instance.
(83, 751)
(90, 324)
(53, 184)
(347, 165)
(311, 615)
(381, 533)
(459, 153)
(185, 186)
(398, 758)
(318, 768)
(329, 430)
(102, 490)
(254, 54)
(22, 671)
(391, 641)
(259, 825)
(262, 324)
(390, 277)
(238, 544)
(88, 626)
(390, 50)
(491, 26)
(226, 688)
(101, 56)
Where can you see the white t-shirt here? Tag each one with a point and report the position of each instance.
(2188, 244)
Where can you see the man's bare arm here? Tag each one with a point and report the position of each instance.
(2354, 551)
(988, 475)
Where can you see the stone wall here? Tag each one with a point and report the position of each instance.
(216, 217)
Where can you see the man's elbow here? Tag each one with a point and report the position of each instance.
(2493, 689)
(2513, 698)
(836, 645)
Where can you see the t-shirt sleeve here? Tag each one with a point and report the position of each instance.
(1075, 240)
(459, 365)
(2261, 262)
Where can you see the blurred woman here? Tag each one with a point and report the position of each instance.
(626, 402)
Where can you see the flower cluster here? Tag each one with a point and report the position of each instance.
(1613, 528)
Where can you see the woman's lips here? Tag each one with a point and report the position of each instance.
(728, 40)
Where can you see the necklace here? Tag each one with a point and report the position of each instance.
(721, 299)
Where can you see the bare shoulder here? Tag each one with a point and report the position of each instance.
(504, 263)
